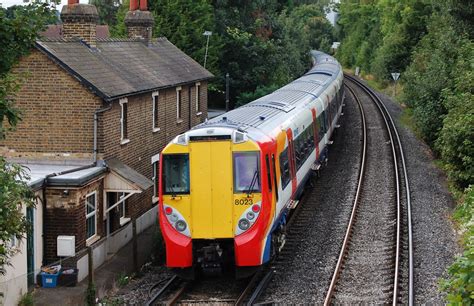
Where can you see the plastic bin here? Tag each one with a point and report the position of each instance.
(49, 280)
(68, 279)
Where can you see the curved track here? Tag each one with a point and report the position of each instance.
(370, 260)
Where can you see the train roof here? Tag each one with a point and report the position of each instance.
(276, 106)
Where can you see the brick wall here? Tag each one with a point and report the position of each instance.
(57, 110)
(144, 143)
(66, 215)
(83, 30)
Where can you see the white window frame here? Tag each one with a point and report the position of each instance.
(155, 98)
(178, 108)
(155, 162)
(91, 214)
(123, 137)
(123, 220)
(198, 110)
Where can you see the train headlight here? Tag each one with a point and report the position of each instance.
(244, 224)
(180, 225)
(173, 218)
(176, 220)
(248, 218)
(250, 215)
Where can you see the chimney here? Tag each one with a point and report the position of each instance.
(80, 20)
(139, 22)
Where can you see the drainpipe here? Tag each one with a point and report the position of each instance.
(45, 181)
(96, 120)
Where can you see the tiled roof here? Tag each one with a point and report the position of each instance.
(55, 31)
(122, 67)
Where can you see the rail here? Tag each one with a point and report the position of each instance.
(393, 134)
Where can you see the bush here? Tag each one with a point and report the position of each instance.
(460, 285)
(456, 138)
(26, 300)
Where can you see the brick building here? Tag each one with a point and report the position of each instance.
(96, 112)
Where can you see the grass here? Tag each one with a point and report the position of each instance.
(26, 300)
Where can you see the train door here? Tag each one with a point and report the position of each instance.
(211, 192)
(316, 132)
(291, 157)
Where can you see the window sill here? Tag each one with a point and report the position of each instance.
(155, 200)
(124, 141)
(199, 114)
(124, 221)
(179, 121)
(92, 240)
(156, 130)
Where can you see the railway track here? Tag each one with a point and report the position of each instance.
(176, 291)
(376, 245)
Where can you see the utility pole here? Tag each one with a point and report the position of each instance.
(227, 77)
(208, 34)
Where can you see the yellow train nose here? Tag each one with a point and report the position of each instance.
(211, 189)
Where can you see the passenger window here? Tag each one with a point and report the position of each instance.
(246, 172)
(269, 178)
(284, 168)
(176, 173)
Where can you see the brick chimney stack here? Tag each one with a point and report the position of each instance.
(139, 21)
(80, 20)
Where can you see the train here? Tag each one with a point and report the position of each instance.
(228, 186)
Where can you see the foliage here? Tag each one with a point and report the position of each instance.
(429, 74)
(183, 22)
(26, 300)
(460, 285)
(15, 196)
(456, 138)
(107, 10)
(19, 27)
(91, 293)
(118, 30)
(123, 279)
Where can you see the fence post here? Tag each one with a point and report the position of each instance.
(91, 290)
(135, 247)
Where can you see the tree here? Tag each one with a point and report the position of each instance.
(107, 10)
(19, 27)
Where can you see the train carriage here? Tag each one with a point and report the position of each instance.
(228, 185)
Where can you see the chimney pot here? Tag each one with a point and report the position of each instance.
(143, 5)
(133, 5)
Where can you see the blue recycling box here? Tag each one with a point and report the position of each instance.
(49, 280)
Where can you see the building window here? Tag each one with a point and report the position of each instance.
(122, 209)
(91, 212)
(179, 104)
(124, 121)
(198, 99)
(155, 99)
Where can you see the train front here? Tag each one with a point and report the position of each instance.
(212, 212)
